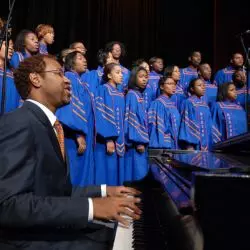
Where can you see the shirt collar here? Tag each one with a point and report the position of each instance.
(50, 115)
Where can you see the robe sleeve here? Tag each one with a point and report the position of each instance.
(92, 80)
(189, 128)
(158, 126)
(14, 61)
(126, 76)
(219, 78)
(135, 127)
(218, 126)
(73, 115)
(106, 126)
(148, 96)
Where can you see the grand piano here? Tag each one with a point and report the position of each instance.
(193, 200)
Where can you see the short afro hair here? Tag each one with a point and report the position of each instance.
(34, 64)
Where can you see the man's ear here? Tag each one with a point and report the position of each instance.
(35, 80)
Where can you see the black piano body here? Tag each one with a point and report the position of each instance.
(200, 200)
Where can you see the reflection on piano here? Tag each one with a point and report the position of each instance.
(192, 200)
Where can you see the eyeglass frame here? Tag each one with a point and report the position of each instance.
(60, 72)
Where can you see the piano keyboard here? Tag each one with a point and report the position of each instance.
(123, 238)
(146, 233)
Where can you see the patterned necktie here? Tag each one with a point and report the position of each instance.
(60, 137)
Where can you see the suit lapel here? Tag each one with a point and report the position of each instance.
(40, 115)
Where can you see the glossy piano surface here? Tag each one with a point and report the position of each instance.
(175, 169)
(194, 200)
(214, 186)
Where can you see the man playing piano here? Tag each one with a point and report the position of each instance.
(38, 209)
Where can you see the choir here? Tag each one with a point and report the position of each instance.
(116, 114)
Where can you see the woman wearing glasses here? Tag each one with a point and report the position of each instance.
(164, 117)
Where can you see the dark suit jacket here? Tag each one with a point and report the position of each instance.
(35, 191)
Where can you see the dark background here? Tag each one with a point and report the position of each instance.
(170, 29)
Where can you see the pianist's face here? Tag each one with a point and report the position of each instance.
(53, 86)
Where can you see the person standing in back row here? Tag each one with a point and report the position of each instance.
(45, 34)
(190, 72)
(117, 50)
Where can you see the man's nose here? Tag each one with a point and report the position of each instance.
(66, 80)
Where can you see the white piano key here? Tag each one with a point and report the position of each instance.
(123, 238)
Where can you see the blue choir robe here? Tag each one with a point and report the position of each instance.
(110, 106)
(136, 133)
(148, 96)
(99, 74)
(196, 127)
(16, 58)
(187, 74)
(78, 119)
(178, 97)
(95, 79)
(242, 95)
(224, 75)
(211, 93)
(12, 97)
(230, 119)
(91, 80)
(153, 80)
(164, 123)
(43, 49)
(125, 77)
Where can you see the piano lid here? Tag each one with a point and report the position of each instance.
(235, 144)
(174, 170)
(199, 160)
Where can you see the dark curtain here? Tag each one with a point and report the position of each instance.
(170, 29)
(229, 21)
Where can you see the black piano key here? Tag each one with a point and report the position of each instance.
(147, 232)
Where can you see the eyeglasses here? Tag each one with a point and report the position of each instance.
(170, 83)
(59, 72)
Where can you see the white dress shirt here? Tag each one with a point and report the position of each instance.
(52, 118)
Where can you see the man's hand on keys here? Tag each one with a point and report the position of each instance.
(121, 191)
(114, 208)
